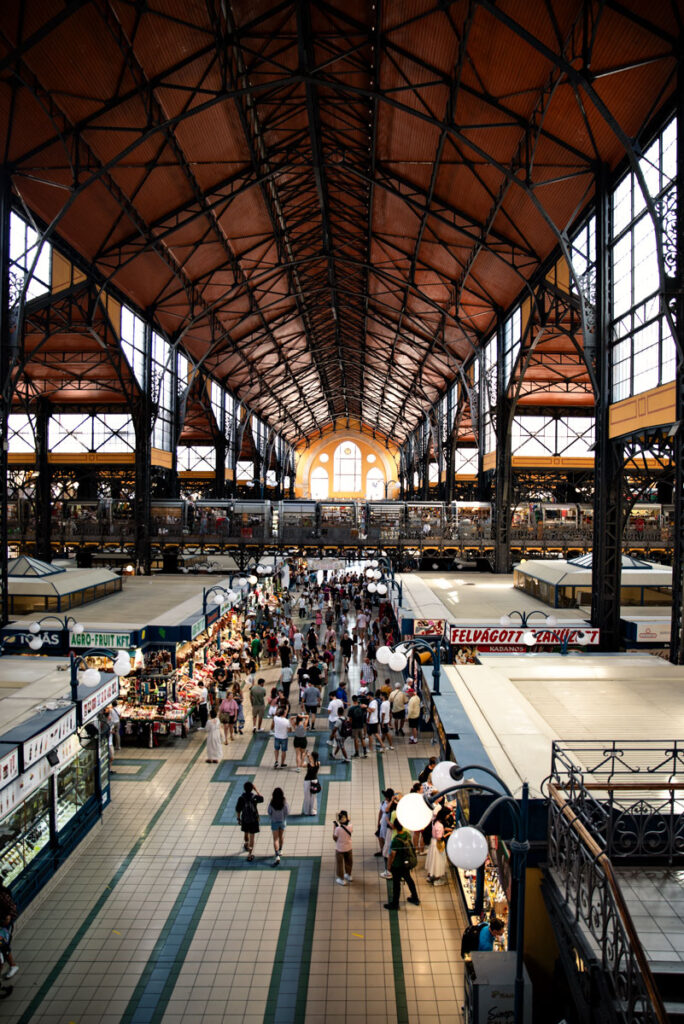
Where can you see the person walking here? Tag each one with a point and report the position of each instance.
(299, 740)
(402, 860)
(312, 702)
(413, 715)
(257, 696)
(278, 812)
(312, 786)
(344, 730)
(228, 712)
(373, 724)
(398, 701)
(203, 706)
(357, 717)
(214, 748)
(281, 727)
(385, 719)
(342, 835)
(334, 708)
(248, 815)
(285, 681)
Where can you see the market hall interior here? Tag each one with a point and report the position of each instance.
(316, 291)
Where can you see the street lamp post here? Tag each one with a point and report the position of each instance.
(395, 657)
(467, 845)
(65, 624)
(529, 638)
(91, 676)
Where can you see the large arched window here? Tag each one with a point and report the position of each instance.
(320, 487)
(347, 468)
(375, 484)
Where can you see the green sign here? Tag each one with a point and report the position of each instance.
(197, 627)
(92, 639)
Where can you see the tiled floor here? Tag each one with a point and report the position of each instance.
(656, 902)
(158, 917)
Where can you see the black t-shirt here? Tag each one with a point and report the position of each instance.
(285, 651)
(311, 772)
(357, 716)
(346, 646)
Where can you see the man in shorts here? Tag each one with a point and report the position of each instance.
(385, 718)
(334, 708)
(357, 717)
(398, 701)
(281, 728)
(257, 696)
(312, 700)
(373, 725)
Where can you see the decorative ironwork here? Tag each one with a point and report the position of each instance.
(628, 823)
(589, 895)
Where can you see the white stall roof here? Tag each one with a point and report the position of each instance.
(573, 574)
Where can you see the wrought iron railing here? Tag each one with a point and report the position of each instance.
(585, 878)
(629, 795)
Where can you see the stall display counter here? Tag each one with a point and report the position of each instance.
(25, 833)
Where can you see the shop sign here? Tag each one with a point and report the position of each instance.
(508, 636)
(54, 641)
(98, 699)
(653, 633)
(93, 639)
(213, 615)
(22, 787)
(198, 627)
(225, 608)
(428, 627)
(9, 765)
(38, 746)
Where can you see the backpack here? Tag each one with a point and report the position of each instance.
(471, 939)
(346, 728)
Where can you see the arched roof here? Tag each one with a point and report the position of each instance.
(326, 203)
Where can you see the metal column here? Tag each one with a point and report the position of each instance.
(675, 299)
(609, 468)
(6, 330)
(143, 457)
(44, 486)
(501, 499)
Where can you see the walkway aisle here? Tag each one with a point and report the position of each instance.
(158, 917)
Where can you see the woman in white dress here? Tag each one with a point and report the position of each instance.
(214, 747)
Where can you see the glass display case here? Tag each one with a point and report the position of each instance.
(24, 833)
(75, 786)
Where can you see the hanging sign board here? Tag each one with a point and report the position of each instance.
(97, 699)
(9, 763)
(491, 637)
(428, 627)
(95, 639)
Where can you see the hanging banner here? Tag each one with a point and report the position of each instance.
(513, 636)
(428, 627)
(94, 639)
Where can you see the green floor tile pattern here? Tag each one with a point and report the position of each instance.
(71, 948)
(147, 769)
(395, 934)
(286, 1001)
(258, 746)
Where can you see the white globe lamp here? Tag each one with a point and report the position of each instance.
(122, 666)
(34, 627)
(242, 581)
(374, 563)
(506, 620)
(77, 627)
(413, 813)
(371, 588)
(252, 580)
(582, 639)
(442, 777)
(377, 574)
(551, 620)
(467, 848)
(381, 588)
(383, 655)
(369, 573)
(260, 570)
(35, 643)
(91, 677)
(397, 662)
(529, 638)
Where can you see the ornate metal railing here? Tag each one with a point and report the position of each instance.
(629, 795)
(585, 878)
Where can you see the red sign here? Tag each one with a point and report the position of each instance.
(513, 636)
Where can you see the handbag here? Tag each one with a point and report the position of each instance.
(314, 786)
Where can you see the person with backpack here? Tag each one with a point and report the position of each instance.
(357, 719)
(248, 815)
(402, 861)
(480, 937)
(344, 731)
